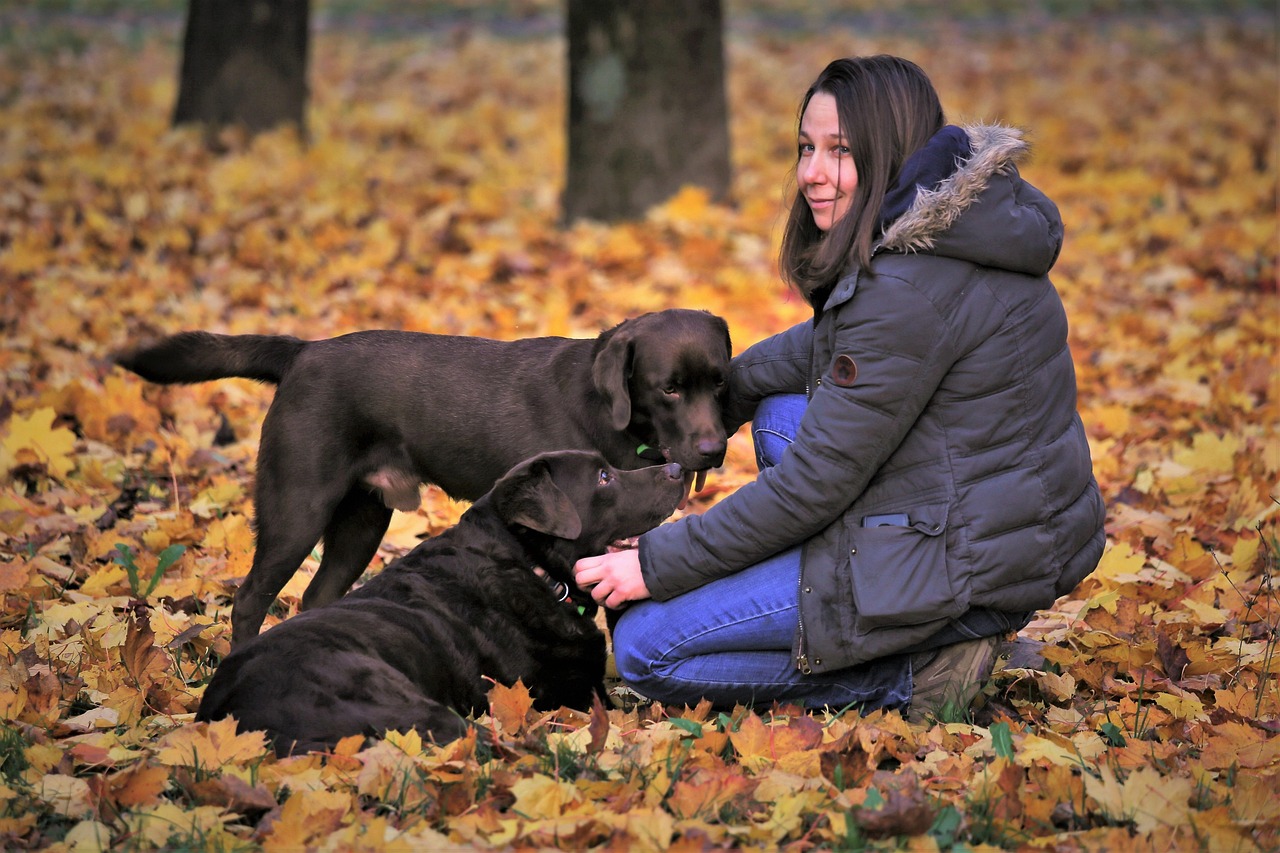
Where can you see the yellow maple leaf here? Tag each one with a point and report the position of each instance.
(1209, 453)
(232, 536)
(1119, 562)
(1182, 707)
(210, 745)
(1238, 744)
(1146, 797)
(68, 796)
(650, 828)
(1032, 748)
(34, 440)
(217, 499)
(305, 816)
(540, 797)
(169, 825)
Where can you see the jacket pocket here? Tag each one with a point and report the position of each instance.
(899, 573)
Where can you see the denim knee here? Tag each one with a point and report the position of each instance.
(633, 665)
(775, 426)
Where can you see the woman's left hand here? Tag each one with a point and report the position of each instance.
(613, 578)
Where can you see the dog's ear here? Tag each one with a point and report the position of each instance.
(531, 497)
(611, 373)
(723, 328)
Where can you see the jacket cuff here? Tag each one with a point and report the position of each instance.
(657, 591)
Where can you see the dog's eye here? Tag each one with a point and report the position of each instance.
(606, 477)
(671, 390)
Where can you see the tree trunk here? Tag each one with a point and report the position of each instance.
(244, 63)
(647, 108)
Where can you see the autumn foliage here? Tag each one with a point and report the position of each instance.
(427, 199)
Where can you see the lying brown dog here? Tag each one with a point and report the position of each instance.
(414, 646)
(360, 420)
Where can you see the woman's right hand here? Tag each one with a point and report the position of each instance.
(612, 579)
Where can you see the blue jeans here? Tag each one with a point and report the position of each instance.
(730, 640)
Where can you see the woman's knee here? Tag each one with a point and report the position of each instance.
(775, 426)
(633, 660)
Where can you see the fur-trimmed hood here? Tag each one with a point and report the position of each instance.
(982, 211)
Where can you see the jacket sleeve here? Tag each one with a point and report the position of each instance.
(775, 365)
(901, 349)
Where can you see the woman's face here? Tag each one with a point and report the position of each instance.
(825, 172)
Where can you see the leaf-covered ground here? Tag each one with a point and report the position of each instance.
(427, 200)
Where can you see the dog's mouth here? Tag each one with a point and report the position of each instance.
(694, 481)
(695, 478)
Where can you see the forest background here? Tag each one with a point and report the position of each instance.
(427, 199)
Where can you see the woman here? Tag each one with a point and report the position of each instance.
(926, 482)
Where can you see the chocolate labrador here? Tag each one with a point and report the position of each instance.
(358, 421)
(417, 645)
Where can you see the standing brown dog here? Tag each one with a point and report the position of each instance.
(358, 421)
(421, 644)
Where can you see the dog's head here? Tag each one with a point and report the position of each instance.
(665, 378)
(575, 504)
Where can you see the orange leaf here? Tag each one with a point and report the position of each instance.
(510, 706)
(139, 785)
(708, 791)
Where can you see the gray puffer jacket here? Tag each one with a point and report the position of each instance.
(940, 386)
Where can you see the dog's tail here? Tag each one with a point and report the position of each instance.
(201, 356)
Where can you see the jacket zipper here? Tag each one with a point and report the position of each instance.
(802, 659)
(802, 655)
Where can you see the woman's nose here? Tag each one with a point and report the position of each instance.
(811, 172)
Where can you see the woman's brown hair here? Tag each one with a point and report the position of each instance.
(887, 109)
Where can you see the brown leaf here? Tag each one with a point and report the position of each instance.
(598, 727)
(905, 810)
(139, 654)
(234, 794)
(1173, 658)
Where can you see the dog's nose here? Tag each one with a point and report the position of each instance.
(673, 470)
(712, 446)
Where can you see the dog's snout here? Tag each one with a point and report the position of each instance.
(673, 470)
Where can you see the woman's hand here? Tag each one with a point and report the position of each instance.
(613, 578)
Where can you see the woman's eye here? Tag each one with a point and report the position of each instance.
(805, 148)
(606, 477)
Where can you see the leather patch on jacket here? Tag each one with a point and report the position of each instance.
(844, 371)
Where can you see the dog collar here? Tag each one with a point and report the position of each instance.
(559, 589)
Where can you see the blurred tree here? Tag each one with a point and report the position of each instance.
(244, 63)
(647, 109)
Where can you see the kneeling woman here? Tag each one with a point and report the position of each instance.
(925, 480)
